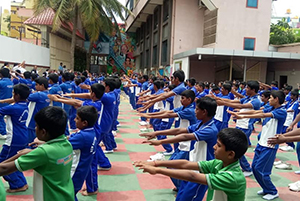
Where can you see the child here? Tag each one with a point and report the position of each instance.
(264, 154)
(51, 161)
(222, 175)
(37, 101)
(55, 88)
(17, 136)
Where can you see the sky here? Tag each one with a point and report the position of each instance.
(279, 6)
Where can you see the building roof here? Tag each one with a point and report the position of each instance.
(46, 18)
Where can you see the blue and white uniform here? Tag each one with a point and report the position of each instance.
(17, 138)
(221, 117)
(55, 89)
(178, 90)
(28, 82)
(6, 88)
(206, 138)
(66, 88)
(264, 155)
(84, 147)
(37, 101)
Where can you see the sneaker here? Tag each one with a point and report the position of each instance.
(143, 123)
(157, 157)
(293, 183)
(277, 162)
(270, 196)
(284, 166)
(261, 192)
(168, 153)
(108, 151)
(295, 186)
(118, 125)
(144, 130)
(247, 174)
(103, 168)
(286, 148)
(3, 137)
(297, 172)
(101, 144)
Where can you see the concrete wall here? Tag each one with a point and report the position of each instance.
(188, 24)
(59, 51)
(236, 21)
(292, 49)
(15, 51)
(202, 70)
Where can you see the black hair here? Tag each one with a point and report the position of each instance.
(53, 120)
(180, 75)
(77, 81)
(98, 89)
(243, 83)
(53, 77)
(253, 85)
(72, 76)
(227, 87)
(18, 71)
(289, 88)
(157, 84)
(145, 77)
(66, 76)
(27, 75)
(89, 114)
(209, 104)
(171, 86)
(22, 90)
(234, 140)
(34, 76)
(42, 81)
(83, 78)
(275, 83)
(153, 78)
(6, 63)
(111, 83)
(295, 93)
(278, 94)
(189, 94)
(192, 81)
(5, 72)
(215, 88)
(84, 74)
(118, 83)
(266, 93)
(201, 84)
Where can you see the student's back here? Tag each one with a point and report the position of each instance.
(109, 102)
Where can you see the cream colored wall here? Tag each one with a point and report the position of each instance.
(202, 70)
(59, 51)
(185, 66)
(292, 77)
(188, 32)
(236, 21)
(292, 49)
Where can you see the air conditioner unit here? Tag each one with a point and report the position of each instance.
(201, 4)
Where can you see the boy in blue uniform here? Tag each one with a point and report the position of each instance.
(17, 137)
(37, 101)
(6, 87)
(264, 154)
(55, 88)
(250, 102)
(27, 79)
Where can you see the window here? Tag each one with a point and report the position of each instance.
(148, 59)
(164, 52)
(13, 12)
(249, 43)
(166, 10)
(13, 27)
(155, 24)
(252, 3)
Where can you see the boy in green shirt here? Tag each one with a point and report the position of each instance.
(223, 175)
(51, 161)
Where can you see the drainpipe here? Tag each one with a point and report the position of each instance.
(173, 31)
(230, 70)
(245, 69)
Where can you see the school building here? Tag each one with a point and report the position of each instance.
(211, 40)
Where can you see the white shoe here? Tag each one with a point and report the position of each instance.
(108, 151)
(114, 133)
(286, 148)
(143, 123)
(144, 129)
(3, 137)
(284, 166)
(270, 197)
(293, 183)
(165, 153)
(247, 174)
(297, 172)
(157, 157)
(103, 169)
(261, 192)
(277, 163)
(118, 125)
(295, 186)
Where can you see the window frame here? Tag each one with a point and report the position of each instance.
(254, 43)
(247, 6)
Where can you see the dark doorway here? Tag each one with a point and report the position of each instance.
(282, 81)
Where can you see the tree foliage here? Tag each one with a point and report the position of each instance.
(281, 33)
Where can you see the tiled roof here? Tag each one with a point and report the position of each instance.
(46, 18)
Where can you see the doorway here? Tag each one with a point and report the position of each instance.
(282, 81)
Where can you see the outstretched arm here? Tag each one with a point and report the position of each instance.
(174, 131)
(178, 138)
(69, 101)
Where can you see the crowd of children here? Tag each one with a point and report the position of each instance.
(55, 123)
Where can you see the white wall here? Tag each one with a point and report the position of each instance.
(15, 51)
(185, 66)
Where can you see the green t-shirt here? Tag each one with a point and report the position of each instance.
(2, 191)
(52, 170)
(224, 183)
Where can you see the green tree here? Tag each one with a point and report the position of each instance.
(7, 19)
(95, 16)
(281, 33)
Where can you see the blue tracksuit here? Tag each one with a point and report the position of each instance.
(6, 88)
(66, 88)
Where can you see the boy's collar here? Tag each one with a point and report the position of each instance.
(232, 165)
(57, 139)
